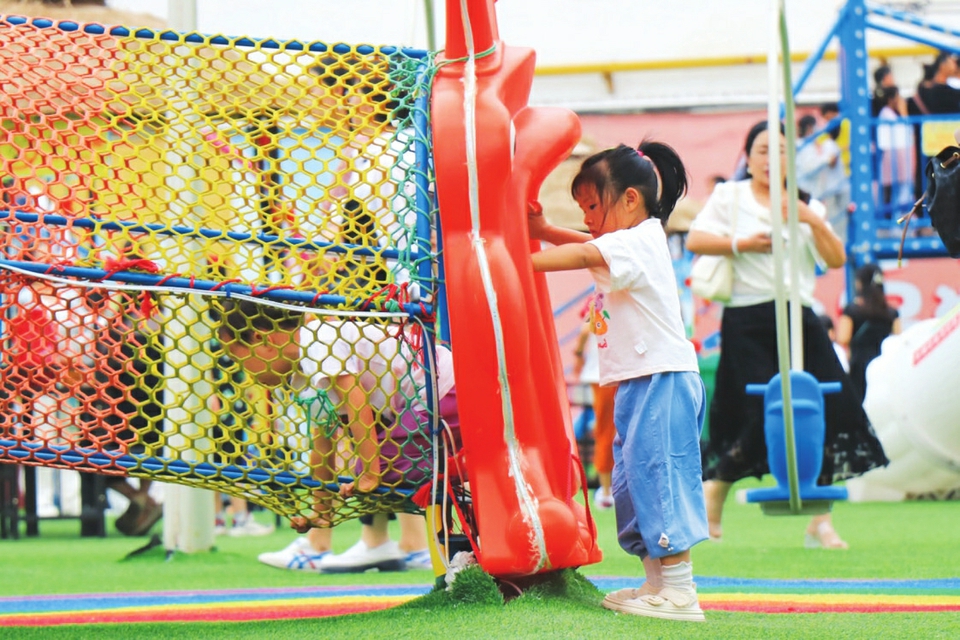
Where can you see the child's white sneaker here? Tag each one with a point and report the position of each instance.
(602, 499)
(632, 593)
(296, 556)
(669, 604)
(419, 560)
(360, 558)
(249, 527)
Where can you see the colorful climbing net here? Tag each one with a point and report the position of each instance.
(218, 264)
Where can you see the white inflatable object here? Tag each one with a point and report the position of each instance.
(913, 402)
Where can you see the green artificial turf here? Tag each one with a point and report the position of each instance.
(916, 540)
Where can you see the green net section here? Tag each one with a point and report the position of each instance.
(216, 263)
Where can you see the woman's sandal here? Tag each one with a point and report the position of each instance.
(825, 537)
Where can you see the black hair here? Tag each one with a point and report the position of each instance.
(829, 107)
(887, 93)
(870, 281)
(613, 171)
(826, 322)
(942, 57)
(880, 74)
(755, 131)
(806, 124)
(240, 318)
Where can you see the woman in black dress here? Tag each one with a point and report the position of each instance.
(736, 222)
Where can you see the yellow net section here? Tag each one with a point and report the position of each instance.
(216, 264)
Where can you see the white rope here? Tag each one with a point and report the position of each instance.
(527, 501)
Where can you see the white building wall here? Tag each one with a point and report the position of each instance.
(592, 32)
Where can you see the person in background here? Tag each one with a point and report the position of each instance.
(809, 162)
(839, 131)
(865, 324)
(895, 146)
(882, 79)
(935, 95)
(365, 371)
(827, 323)
(736, 446)
(821, 173)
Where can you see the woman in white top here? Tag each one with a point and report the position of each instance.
(736, 446)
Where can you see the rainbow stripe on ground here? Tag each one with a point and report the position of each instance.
(240, 605)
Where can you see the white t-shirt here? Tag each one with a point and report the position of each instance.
(637, 308)
(376, 356)
(753, 273)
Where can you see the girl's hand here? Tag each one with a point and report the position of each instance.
(537, 223)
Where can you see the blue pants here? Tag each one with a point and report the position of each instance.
(583, 424)
(657, 488)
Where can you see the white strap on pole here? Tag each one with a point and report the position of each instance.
(525, 497)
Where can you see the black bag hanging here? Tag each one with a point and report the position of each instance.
(943, 197)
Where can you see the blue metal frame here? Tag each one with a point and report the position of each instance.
(869, 237)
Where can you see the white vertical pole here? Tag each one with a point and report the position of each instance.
(182, 15)
(776, 221)
(188, 512)
(793, 221)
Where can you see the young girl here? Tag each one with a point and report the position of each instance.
(626, 196)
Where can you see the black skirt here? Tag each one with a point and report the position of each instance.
(735, 447)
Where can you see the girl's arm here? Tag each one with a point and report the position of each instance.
(540, 229)
(568, 257)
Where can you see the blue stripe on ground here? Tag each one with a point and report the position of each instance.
(102, 601)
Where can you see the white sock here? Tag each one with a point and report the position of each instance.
(679, 576)
(653, 570)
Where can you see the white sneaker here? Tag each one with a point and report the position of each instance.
(419, 560)
(668, 604)
(632, 593)
(602, 500)
(296, 556)
(360, 558)
(250, 527)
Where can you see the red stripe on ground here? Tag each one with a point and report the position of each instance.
(187, 615)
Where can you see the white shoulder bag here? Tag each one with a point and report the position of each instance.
(711, 277)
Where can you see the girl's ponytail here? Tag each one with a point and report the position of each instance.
(672, 178)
